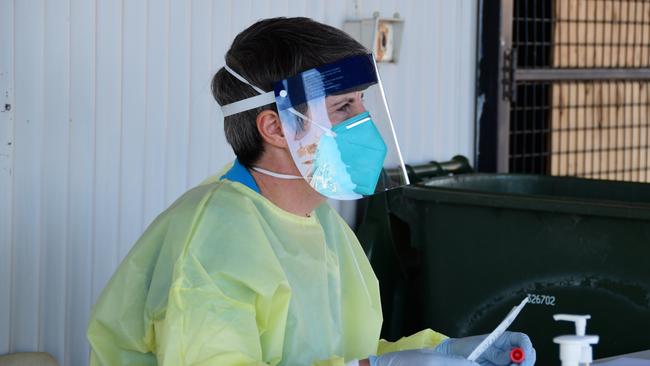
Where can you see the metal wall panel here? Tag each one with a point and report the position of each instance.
(54, 180)
(109, 118)
(6, 168)
(28, 225)
(81, 203)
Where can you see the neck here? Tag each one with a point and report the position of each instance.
(292, 195)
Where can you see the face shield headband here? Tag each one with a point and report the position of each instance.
(264, 98)
(337, 126)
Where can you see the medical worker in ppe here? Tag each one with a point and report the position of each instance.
(254, 267)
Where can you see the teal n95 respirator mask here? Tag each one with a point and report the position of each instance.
(337, 126)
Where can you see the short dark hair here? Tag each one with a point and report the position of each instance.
(268, 51)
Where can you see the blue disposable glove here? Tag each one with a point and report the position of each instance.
(497, 355)
(419, 357)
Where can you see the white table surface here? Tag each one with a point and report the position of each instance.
(644, 355)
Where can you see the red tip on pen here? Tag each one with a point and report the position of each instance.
(517, 355)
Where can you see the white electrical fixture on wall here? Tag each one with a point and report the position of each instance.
(381, 35)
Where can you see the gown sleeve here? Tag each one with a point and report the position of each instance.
(423, 339)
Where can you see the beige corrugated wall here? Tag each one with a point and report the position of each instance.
(106, 118)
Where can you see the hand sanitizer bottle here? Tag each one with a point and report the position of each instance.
(575, 350)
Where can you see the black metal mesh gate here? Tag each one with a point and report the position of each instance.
(575, 80)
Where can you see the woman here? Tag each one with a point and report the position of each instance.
(254, 267)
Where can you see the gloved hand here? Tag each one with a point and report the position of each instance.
(418, 357)
(497, 355)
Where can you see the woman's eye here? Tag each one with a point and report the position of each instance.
(344, 108)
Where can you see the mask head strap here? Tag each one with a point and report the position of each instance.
(276, 175)
(243, 105)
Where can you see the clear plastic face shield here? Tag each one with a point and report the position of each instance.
(337, 126)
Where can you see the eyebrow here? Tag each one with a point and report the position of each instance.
(346, 99)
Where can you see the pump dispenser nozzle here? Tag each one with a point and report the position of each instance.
(575, 349)
(579, 320)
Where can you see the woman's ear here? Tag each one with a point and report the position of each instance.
(270, 128)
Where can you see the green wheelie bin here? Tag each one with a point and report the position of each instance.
(456, 253)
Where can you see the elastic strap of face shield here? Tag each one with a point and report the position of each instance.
(259, 100)
(249, 103)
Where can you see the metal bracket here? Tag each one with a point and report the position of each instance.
(509, 69)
